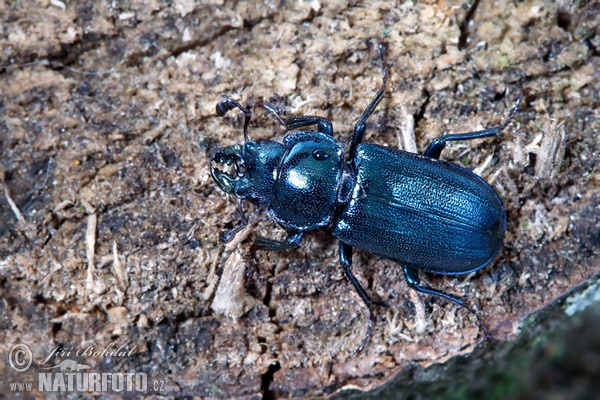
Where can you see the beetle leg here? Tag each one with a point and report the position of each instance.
(291, 242)
(228, 235)
(359, 128)
(411, 275)
(437, 145)
(227, 104)
(272, 110)
(412, 279)
(323, 124)
(346, 261)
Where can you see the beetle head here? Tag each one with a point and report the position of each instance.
(248, 171)
(230, 158)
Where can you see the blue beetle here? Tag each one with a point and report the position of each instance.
(424, 213)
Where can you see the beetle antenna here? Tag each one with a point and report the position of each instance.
(227, 104)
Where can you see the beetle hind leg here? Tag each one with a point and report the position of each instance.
(411, 275)
(228, 235)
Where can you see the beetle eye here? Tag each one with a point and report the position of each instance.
(320, 155)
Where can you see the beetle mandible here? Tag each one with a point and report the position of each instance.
(424, 213)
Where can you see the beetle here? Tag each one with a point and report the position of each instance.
(422, 212)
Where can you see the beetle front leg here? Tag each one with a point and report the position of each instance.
(291, 242)
(437, 145)
(227, 104)
(346, 261)
(323, 124)
(228, 235)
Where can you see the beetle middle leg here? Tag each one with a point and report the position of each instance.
(437, 145)
(346, 261)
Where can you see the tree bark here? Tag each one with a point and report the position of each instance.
(109, 218)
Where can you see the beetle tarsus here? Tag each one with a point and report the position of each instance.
(228, 235)
(411, 276)
(438, 144)
(227, 104)
(368, 333)
(272, 110)
(291, 242)
(323, 124)
(513, 113)
(360, 127)
(345, 253)
(367, 300)
(480, 322)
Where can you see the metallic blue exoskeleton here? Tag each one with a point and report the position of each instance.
(422, 212)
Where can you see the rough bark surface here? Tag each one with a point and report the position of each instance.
(109, 218)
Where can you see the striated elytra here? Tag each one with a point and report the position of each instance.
(422, 212)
